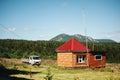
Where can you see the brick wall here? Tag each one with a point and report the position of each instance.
(70, 60)
(64, 59)
(75, 63)
(97, 63)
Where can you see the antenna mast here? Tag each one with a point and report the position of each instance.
(85, 28)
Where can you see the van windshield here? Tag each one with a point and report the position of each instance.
(36, 58)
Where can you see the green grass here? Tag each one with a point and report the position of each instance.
(110, 72)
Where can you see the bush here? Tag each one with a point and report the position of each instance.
(48, 76)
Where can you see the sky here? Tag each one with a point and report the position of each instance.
(45, 19)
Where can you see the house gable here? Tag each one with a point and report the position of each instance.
(73, 45)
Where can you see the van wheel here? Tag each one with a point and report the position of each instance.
(38, 64)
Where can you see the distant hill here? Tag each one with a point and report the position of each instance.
(61, 37)
(105, 40)
(66, 37)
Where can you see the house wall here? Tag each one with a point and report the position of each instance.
(69, 59)
(64, 59)
(96, 63)
(75, 63)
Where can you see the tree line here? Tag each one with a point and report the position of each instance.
(10, 48)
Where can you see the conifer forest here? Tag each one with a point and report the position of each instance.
(10, 48)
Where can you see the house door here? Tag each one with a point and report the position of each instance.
(81, 59)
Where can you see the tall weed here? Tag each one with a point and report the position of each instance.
(49, 75)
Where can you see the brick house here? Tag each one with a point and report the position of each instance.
(75, 54)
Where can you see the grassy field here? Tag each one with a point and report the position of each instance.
(28, 72)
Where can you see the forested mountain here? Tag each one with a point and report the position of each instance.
(46, 49)
(66, 37)
(104, 40)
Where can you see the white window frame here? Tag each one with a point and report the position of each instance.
(98, 55)
(82, 59)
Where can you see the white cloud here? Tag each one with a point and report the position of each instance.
(62, 30)
(11, 29)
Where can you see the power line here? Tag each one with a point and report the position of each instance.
(10, 31)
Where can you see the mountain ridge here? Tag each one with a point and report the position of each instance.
(82, 38)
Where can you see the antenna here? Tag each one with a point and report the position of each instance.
(93, 45)
(85, 28)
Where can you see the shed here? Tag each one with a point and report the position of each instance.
(73, 53)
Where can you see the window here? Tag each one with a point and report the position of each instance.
(98, 57)
(36, 58)
(81, 59)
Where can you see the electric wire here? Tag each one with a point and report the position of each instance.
(11, 31)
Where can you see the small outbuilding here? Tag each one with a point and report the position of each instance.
(75, 54)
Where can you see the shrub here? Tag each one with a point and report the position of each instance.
(48, 76)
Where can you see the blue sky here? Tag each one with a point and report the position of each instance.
(44, 19)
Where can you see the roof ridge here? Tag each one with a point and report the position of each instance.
(73, 45)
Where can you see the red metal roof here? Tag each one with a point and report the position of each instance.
(72, 45)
